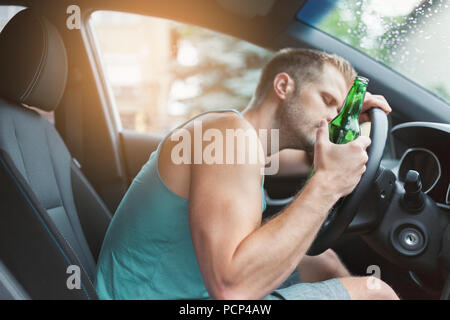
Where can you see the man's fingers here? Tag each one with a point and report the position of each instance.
(382, 103)
(322, 132)
(377, 101)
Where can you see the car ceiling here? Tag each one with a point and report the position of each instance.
(257, 21)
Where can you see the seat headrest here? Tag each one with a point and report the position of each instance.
(33, 61)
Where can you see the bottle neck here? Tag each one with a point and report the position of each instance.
(354, 101)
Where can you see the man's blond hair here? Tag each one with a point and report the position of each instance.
(303, 65)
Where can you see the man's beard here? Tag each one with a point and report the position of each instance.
(295, 127)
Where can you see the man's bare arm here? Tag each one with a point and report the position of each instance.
(239, 258)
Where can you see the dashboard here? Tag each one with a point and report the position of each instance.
(425, 148)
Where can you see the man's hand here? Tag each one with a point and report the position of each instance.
(373, 101)
(340, 165)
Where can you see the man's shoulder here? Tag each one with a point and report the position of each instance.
(223, 121)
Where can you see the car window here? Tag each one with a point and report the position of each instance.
(409, 36)
(6, 13)
(163, 73)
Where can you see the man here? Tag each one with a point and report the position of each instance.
(193, 230)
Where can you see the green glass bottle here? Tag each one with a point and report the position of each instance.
(345, 126)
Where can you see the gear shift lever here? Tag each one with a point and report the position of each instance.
(413, 198)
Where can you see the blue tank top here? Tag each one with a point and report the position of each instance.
(147, 252)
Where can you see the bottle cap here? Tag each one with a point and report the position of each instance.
(362, 79)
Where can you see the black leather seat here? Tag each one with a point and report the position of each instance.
(50, 217)
(10, 289)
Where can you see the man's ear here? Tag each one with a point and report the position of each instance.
(283, 85)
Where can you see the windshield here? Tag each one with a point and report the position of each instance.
(410, 36)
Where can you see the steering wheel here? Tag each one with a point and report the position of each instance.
(346, 208)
